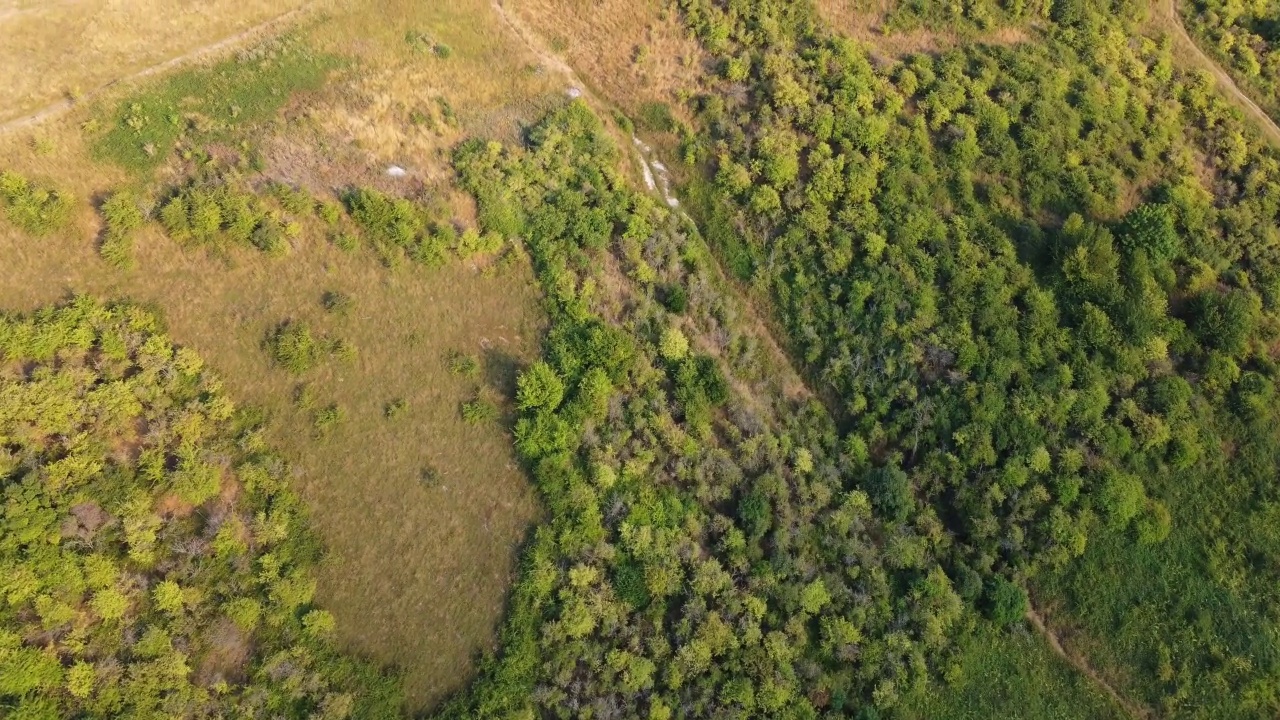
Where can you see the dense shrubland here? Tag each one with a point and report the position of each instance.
(1042, 282)
(1245, 36)
(153, 561)
(706, 553)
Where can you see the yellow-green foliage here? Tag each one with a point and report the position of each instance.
(38, 210)
(152, 561)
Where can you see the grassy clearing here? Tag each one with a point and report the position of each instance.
(58, 50)
(421, 510)
(417, 572)
(1010, 675)
(205, 104)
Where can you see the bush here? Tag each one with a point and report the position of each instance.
(479, 410)
(35, 209)
(1007, 602)
(464, 365)
(293, 347)
(396, 408)
(326, 419)
(539, 387)
(337, 302)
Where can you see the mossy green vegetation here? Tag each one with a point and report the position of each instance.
(153, 559)
(194, 107)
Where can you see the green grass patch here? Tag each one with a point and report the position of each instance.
(1009, 674)
(208, 103)
(712, 216)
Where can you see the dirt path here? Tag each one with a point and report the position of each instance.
(1081, 664)
(1168, 17)
(59, 108)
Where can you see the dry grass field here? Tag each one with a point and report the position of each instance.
(53, 49)
(422, 513)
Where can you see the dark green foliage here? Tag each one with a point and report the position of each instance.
(1150, 228)
(35, 209)
(674, 298)
(129, 575)
(1006, 601)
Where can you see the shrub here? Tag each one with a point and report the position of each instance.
(326, 419)
(674, 298)
(1007, 602)
(293, 347)
(464, 365)
(122, 217)
(35, 209)
(395, 408)
(479, 410)
(539, 387)
(673, 345)
(337, 302)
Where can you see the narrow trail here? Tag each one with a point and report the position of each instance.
(1081, 664)
(1167, 16)
(63, 106)
(657, 180)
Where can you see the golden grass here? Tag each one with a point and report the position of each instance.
(629, 51)
(55, 49)
(418, 572)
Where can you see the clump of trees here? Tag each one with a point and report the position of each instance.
(153, 560)
(1245, 37)
(1035, 283)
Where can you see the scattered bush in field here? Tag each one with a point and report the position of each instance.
(479, 410)
(464, 365)
(122, 216)
(430, 476)
(294, 200)
(215, 213)
(37, 210)
(396, 408)
(442, 51)
(337, 303)
(295, 348)
(343, 351)
(346, 242)
(304, 396)
(326, 419)
(330, 212)
(447, 112)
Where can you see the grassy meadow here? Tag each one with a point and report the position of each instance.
(421, 512)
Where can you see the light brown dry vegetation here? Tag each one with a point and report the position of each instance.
(629, 51)
(419, 570)
(55, 48)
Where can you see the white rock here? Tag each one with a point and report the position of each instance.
(396, 171)
(575, 93)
